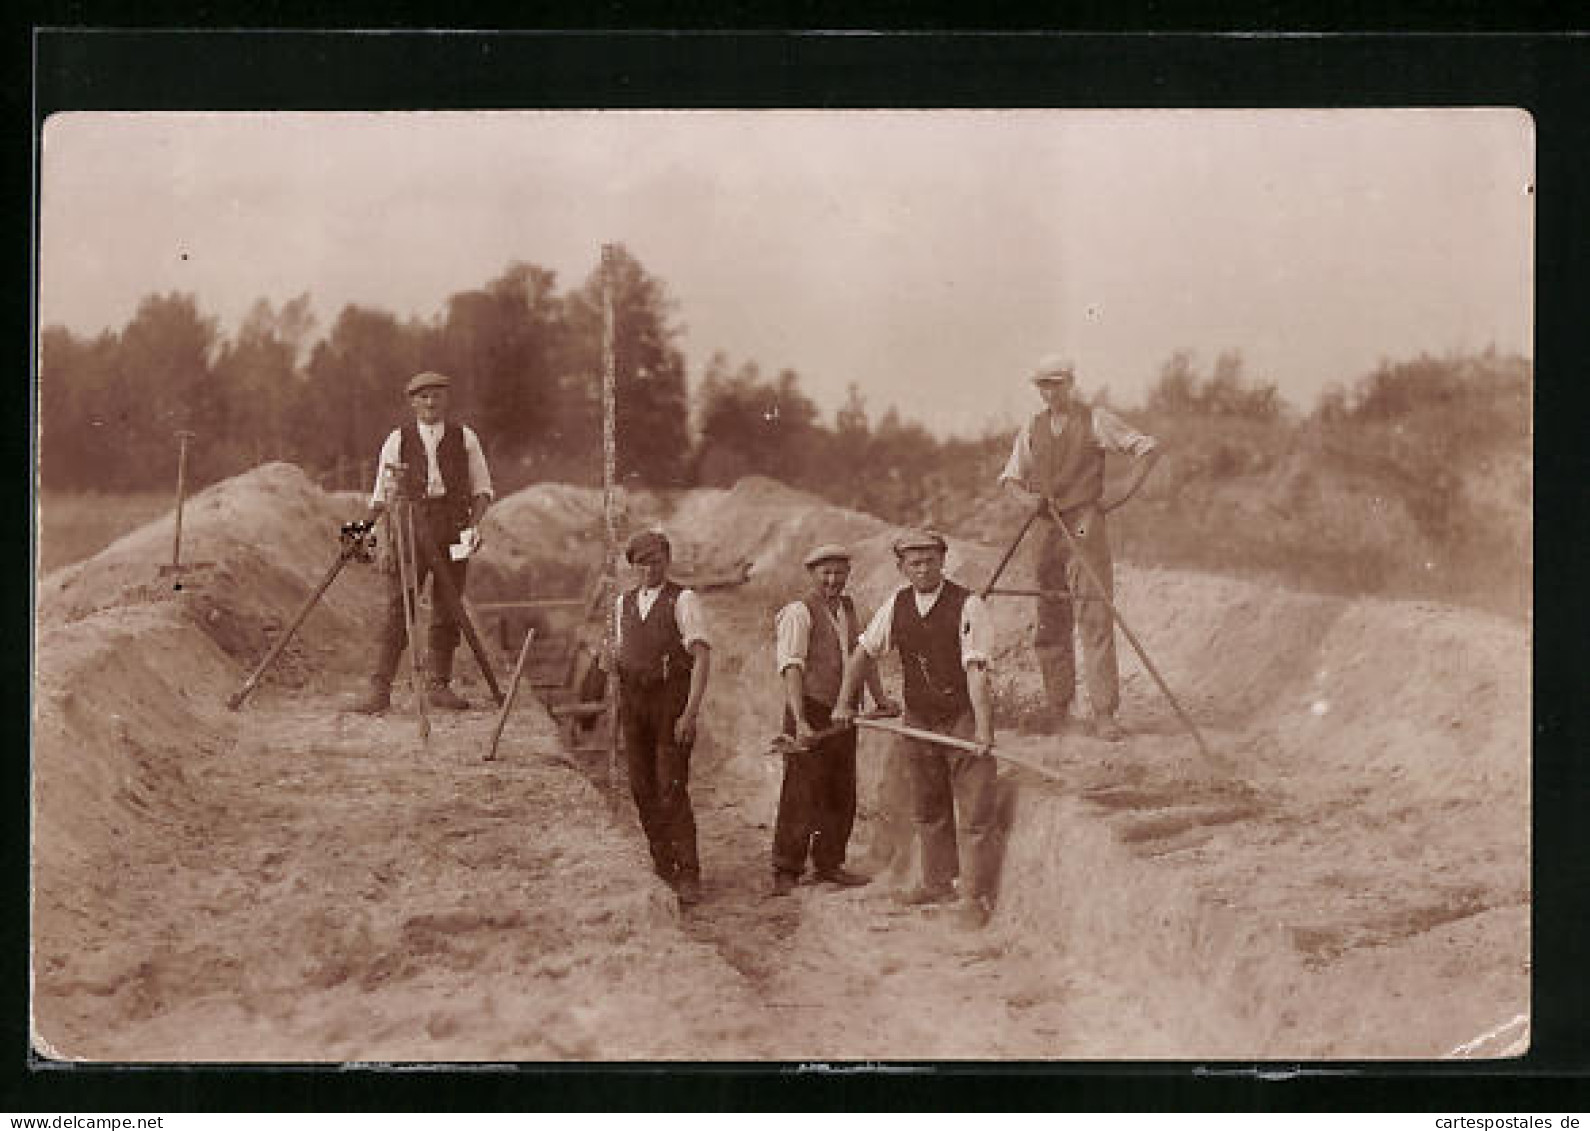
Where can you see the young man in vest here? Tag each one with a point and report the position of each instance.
(1060, 455)
(817, 800)
(444, 476)
(663, 660)
(942, 632)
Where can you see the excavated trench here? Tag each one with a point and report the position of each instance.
(291, 882)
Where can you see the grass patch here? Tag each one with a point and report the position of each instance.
(77, 525)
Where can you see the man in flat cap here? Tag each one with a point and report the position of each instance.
(663, 658)
(439, 467)
(817, 800)
(1059, 455)
(942, 633)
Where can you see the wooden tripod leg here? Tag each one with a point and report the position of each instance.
(252, 681)
(513, 691)
(442, 586)
(1142, 654)
(403, 538)
(1010, 551)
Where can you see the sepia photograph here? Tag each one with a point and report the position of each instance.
(788, 586)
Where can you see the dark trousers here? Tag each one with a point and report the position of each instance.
(1060, 568)
(433, 527)
(659, 774)
(953, 793)
(817, 801)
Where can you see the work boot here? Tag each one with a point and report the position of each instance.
(444, 698)
(783, 884)
(443, 642)
(376, 699)
(973, 914)
(844, 877)
(1105, 727)
(923, 896)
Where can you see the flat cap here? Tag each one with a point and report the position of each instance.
(427, 381)
(920, 540)
(644, 542)
(828, 551)
(1053, 367)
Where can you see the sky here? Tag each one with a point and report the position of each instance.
(929, 257)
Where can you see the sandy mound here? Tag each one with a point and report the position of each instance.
(292, 882)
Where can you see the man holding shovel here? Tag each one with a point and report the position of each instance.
(439, 468)
(942, 633)
(817, 800)
(1059, 455)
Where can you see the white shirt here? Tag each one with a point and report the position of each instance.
(794, 632)
(689, 618)
(430, 437)
(1115, 434)
(976, 635)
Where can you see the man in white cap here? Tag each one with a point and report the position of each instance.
(942, 632)
(817, 799)
(1060, 455)
(440, 468)
(663, 658)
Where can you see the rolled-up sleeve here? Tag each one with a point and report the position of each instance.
(691, 619)
(479, 473)
(878, 635)
(1018, 468)
(1118, 436)
(384, 487)
(977, 641)
(794, 631)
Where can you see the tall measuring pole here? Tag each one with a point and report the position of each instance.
(609, 502)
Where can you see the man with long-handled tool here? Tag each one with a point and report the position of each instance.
(942, 633)
(1059, 459)
(438, 467)
(817, 799)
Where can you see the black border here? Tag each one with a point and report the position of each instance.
(1548, 74)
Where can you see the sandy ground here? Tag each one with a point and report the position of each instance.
(1347, 877)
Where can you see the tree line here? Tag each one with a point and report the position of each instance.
(527, 361)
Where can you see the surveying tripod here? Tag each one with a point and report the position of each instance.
(355, 544)
(1046, 508)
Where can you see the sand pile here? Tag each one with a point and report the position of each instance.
(290, 882)
(293, 882)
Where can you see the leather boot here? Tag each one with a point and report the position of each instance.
(443, 643)
(376, 699)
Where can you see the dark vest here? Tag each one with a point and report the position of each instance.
(1069, 468)
(651, 651)
(451, 459)
(825, 652)
(930, 654)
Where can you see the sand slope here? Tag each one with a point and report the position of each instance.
(291, 882)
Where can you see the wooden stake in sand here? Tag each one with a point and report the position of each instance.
(507, 701)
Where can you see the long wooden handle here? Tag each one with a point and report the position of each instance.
(513, 690)
(960, 744)
(249, 684)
